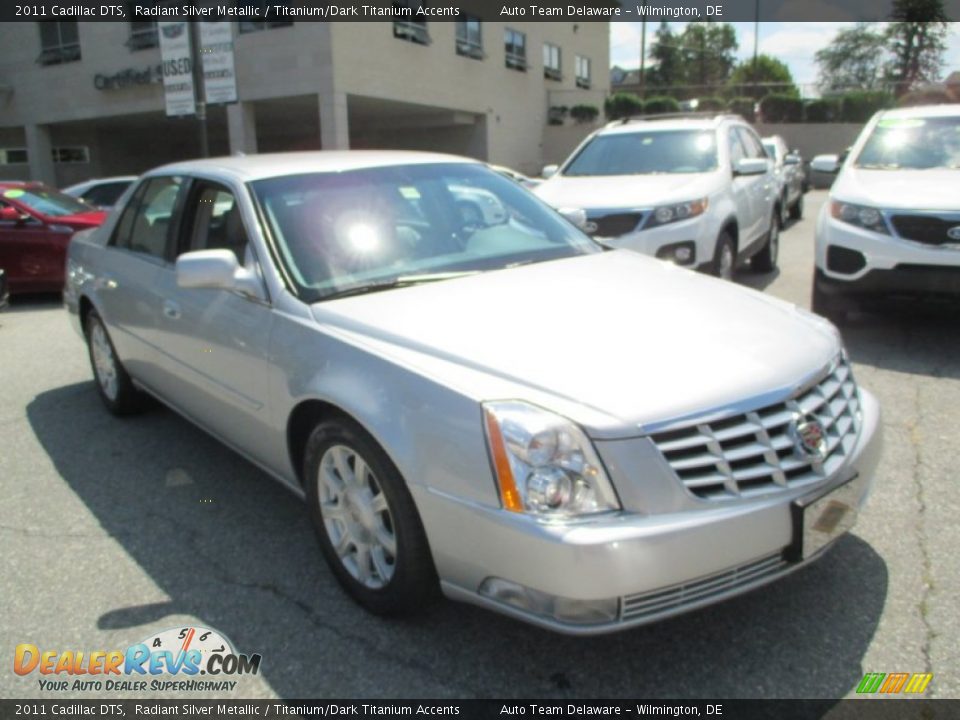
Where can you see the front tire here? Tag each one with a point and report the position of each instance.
(796, 211)
(114, 385)
(724, 257)
(766, 260)
(366, 521)
(835, 309)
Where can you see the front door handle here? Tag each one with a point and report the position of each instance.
(171, 309)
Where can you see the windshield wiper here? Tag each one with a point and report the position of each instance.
(397, 282)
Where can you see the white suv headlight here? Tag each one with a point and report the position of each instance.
(675, 212)
(545, 465)
(860, 215)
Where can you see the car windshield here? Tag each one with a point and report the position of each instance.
(338, 233)
(47, 202)
(646, 152)
(917, 143)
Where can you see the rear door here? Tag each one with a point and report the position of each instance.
(760, 188)
(215, 342)
(31, 251)
(139, 251)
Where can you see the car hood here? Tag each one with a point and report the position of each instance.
(621, 191)
(614, 340)
(81, 221)
(899, 189)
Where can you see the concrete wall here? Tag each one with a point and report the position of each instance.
(814, 138)
(369, 61)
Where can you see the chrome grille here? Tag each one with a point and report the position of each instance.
(701, 590)
(754, 453)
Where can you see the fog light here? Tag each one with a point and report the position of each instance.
(561, 609)
(682, 253)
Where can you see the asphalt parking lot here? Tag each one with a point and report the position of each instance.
(115, 529)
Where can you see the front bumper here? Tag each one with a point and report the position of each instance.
(854, 261)
(649, 241)
(654, 565)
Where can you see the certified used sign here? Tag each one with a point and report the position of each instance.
(177, 68)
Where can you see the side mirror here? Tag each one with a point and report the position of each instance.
(11, 214)
(549, 171)
(791, 160)
(827, 164)
(751, 166)
(216, 270)
(577, 216)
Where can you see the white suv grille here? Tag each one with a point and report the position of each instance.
(755, 453)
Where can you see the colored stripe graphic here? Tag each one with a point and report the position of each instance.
(894, 683)
(918, 683)
(870, 683)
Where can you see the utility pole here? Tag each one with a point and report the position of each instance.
(643, 54)
(196, 63)
(756, 41)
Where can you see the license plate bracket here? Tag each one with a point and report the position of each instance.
(820, 519)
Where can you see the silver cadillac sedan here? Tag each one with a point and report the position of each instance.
(472, 396)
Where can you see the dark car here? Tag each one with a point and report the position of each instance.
(36, 224)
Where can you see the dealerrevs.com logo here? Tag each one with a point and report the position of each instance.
(168, 661)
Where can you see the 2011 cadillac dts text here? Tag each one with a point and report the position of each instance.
(471, 394)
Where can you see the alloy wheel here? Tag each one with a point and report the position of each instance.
(104, 362)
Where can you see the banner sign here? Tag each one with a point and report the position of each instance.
(216, 54)
(175, 57)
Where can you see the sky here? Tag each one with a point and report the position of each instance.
(792, 42)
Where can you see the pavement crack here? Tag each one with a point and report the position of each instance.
(927, 589)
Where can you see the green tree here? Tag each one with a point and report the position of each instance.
(768, 75)
(709, 54)
(854, 59)
(917, 38)
(665, 50)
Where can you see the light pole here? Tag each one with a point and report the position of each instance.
(201, 103)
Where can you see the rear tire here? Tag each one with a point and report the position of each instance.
(366, 521)
(796, 211)
(783, 211)
(766, 260)
(114, 385)
(724, 257)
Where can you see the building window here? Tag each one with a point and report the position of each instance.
(143, 34)
(469, 38)
(515, 44)
(13, 156)
(551, 62)
(583, 72)
(410, 30)
(72, 154)
(254, 24)
(59, 42)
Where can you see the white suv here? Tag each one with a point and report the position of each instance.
(698, 191)
(892, 222)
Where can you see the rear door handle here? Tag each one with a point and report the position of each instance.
(171, 309)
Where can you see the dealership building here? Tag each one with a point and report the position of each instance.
(81, 100)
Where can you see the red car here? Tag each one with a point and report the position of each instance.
(36, 224)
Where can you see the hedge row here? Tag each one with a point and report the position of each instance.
(850, 107)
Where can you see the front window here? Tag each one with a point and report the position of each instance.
(551, 62)
(59, 41)
(647, 152)
(46, 201)
(583, 72)
(368, 229)
(515, 45)
(469, 38)
(771, 149)
(912, 144)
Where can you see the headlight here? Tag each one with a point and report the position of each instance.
(678, 211)
(545, 465)
(859, 215)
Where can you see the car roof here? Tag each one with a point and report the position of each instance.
(949, 110)
(10, 184)
(246, 168)
(651, 123)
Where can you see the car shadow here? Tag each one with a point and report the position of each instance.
(911, 337)
(235, 550)
(758, 281)
(30, 302)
